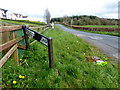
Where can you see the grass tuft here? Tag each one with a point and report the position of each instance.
(70, 67)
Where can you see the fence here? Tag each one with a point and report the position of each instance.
(44, 40)
(101, 29)
(15, 38)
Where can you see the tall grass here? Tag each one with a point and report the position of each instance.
(71, 70)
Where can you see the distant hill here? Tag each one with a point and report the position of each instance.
(85, 20)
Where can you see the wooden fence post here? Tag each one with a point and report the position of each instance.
(50, 52)
(4, 40)
(15, 53)
(15, 56)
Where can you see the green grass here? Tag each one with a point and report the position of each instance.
(115, 26)
(70, 67)
(23, 22)
(104, 33)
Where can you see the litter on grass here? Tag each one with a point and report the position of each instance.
(96, 60)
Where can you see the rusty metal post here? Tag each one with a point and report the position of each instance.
(26, 37)
(50, 52)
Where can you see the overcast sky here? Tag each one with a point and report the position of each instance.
(59, 8)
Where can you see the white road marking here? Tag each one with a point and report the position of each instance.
(94, 37)
(115, 55)
(79, 35)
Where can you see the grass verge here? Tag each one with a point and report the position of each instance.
(70, 67)
(104, 33)
(23, 22)
(115, 26)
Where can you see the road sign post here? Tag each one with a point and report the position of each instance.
(50, 52)
(26, 37)
(40, 38)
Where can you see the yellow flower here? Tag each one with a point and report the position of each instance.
(23, 77)
(14, 82)
(20, 76)
(20, 59)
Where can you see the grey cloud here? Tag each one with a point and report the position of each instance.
(109, 8)
(111, 5)
(35, 15)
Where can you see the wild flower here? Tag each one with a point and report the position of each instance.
(67, 47)
(23, 77)
(20, 76)
(20, 59)
(84, 53)
(14, 82)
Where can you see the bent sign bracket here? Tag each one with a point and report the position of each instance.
(37, 36)
(40, 38)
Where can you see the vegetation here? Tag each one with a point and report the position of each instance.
(23, 22)
(105, 33)
(85, 20)
(71, 70)
(47, 16)
(115, 26)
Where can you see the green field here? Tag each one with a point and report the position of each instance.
(115, 26)
(71, 70)
(105, 33)
(23, 22)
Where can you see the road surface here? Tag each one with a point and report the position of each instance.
(106, 43)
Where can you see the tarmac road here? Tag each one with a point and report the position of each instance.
(106, 43)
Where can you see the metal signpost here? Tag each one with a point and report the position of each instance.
(40, 38)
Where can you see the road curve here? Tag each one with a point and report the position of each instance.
(106, 43)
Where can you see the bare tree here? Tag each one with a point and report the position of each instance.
(47, 16)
